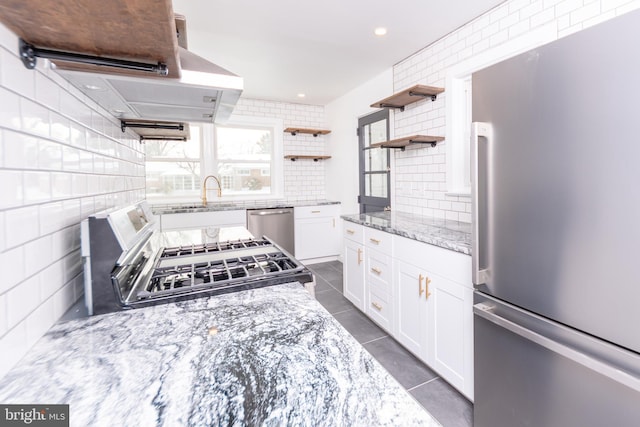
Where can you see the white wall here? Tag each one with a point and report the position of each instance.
(303, 179)
(61, 159)
(342, 116)
(420, 173)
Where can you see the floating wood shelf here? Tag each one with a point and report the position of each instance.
(408, 96)
(402, 143)
(294, 157)
(314, 132)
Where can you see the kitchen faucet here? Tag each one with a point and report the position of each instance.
(204, 189)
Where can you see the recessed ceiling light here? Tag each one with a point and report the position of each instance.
(301, 95)
(380, 31)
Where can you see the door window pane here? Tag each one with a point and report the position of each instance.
(376, 185)
(375, 159)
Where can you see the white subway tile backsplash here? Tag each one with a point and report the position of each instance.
(38, 254)
(22, 300)
(10, 111)
(11, 194)
(47, 93)
(3, 314)
(35, 118)
(13, 74)
(37, 187)
(14, 346)
(51, 279)
(60, 185)
(21, 225)
(63, 299)
(12, 265)
(20, 150)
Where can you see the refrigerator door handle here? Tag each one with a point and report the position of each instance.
(486, 311)
(478, 201)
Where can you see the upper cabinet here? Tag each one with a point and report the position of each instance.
(408, 96)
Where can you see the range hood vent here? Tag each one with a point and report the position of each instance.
(204, 92)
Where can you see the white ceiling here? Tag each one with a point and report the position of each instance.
(322, 48)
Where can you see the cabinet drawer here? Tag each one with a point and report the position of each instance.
(316, 211)
(378, 270)
(378, 240)
(354, 232)
(379, 310)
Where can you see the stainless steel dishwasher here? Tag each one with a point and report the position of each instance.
(274, 223)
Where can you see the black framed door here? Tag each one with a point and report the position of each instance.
(375, 175)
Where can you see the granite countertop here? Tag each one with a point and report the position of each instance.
(448, 234)
(269, 356)
(160, 209)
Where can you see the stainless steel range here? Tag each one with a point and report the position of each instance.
(129, 264)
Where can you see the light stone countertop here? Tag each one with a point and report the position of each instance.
(268, 356)
(452, 235)
(213, 206)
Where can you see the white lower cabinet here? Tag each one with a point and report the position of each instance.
(451, 322)
(413, 304)
(353, 273)
(317, 233)
(187, 220)
(421, 294)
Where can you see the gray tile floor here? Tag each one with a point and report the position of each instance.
(444, 402)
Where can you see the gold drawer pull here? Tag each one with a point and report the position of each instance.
(377, 306)
(376, 270)
(420, 289)
(426, 283)
(359, 256)
(350, 231)
(376, 241)
(315, 211)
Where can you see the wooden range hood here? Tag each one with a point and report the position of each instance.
(135, 30)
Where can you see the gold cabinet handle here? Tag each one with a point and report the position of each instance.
(315, 211)
(426, 286)
(359, 256)
(420, 289)
(376, 270)
(349, 231)
(376, 241)
(377, 306)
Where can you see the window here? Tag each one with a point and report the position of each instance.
(173, 167)
(459, 98)
(245, 154)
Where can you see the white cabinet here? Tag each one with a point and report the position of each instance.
(420, 293)
(317, 233)
(182, 221)
(444, 338)
(451, 333)
(353, 265)
(413, 305)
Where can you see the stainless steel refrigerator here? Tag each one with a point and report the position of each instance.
(556, 243)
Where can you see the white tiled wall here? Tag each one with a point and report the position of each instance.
(420, 172)
(61, 159)
(303, 179)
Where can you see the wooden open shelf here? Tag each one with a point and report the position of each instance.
(402, 143)
(408, 96)
(314, 132)
(294, 157)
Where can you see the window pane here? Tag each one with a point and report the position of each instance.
(378, 131)
(245, 178)
(244, 143)
(376, 185)
(173, 178)
(189, 149)
(375, 159)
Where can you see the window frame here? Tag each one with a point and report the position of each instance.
(458, 110)
(209, 162)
